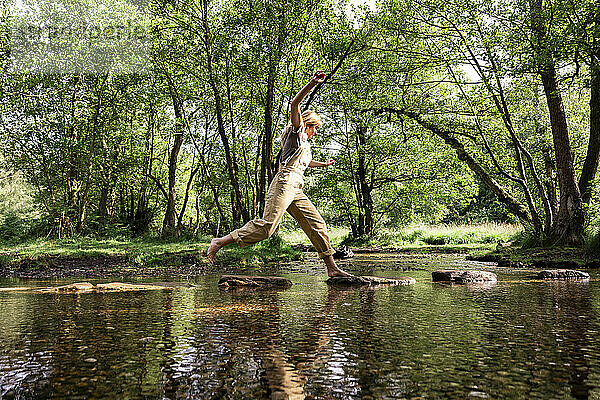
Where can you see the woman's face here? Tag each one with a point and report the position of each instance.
(311, 130)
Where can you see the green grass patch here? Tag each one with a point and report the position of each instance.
(592, 244)
(271, 250)
(90, 247)
(145, 252)
(336, 236)
(466, 236)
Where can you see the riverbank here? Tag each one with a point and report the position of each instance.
(147, 257)
(97, 258)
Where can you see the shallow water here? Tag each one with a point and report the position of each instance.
(515, 339)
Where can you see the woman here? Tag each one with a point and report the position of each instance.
(285, 191)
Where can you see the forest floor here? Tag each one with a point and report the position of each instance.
(97, 258)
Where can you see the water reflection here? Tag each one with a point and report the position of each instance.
(512, 340)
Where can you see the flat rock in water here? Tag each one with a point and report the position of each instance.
(73, 287)
(462, 277)
(82, 287)
(243, 281)
(122, 287)
(369, 281)
(562, 274)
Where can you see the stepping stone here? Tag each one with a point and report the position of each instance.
(243, 281)
(462, 277)
(369, 281)
(563, 274)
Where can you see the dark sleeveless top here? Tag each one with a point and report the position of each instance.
(292, 143)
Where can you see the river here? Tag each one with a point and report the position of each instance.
(519, 338)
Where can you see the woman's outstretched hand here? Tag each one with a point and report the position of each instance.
(327, 163)
(318, 77)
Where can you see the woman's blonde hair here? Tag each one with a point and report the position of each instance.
(309, 117)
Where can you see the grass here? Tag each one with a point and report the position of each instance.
(485, 235)
(147, 252)
(90, 247)
(336, 236)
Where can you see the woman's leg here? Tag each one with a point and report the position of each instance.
(280, 195)
(311, 222)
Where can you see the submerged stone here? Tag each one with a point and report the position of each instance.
(120, 286)
(369, 280)
(244, 281)
(562, 274)
(81, 287)
(73, 287)
(463, 277)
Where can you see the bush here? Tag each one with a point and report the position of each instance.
(592, 244)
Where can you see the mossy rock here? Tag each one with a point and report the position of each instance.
(463, 277)
(244, 281)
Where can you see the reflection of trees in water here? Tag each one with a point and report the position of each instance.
(168, 363)
(281, 378)
(64, 332)
(573, 305)
(537, 340)
(25, 363)
(248, 354)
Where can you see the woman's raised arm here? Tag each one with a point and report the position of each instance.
(296, 115)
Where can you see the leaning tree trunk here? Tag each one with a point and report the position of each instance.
(569, 225)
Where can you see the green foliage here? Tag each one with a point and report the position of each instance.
(528, 239)
(92, 150)
(19, 216)
(592, 244)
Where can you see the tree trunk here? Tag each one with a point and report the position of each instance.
(366, 221)
(266, 164)
(170, 227)
(239, 208)
(590, 165)
(186, 197)
(81, 212)
(569, 225)
(72, 135)
(266, 160)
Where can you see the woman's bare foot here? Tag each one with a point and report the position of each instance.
(332, 268)
(337, 272)
(215, 246)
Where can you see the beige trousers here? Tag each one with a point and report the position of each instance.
(285, 193)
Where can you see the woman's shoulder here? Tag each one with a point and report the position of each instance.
(295, 130)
